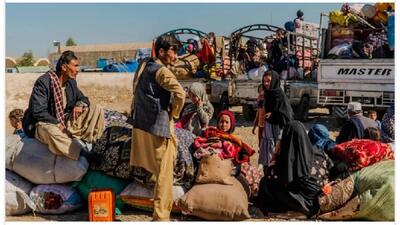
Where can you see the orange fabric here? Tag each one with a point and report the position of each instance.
(206, 54)
(153, 50)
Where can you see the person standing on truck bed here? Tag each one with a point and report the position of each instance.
(158, 99)
(355, 126)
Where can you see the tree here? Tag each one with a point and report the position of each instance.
(70, 42)
(26, 59)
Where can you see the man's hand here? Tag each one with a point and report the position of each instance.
(76, 112)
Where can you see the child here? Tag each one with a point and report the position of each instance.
(373, 115)
(259, 121)
(15, 117)
(226, 121)
(372, 133)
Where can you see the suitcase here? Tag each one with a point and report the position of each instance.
(101, 205)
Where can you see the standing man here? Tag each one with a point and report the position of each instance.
(356, 124)
(158, 99)
(59, 114)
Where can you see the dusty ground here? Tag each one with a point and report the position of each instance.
(114, 91)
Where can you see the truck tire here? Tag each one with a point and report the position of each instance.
(248, 112)
(301, 112)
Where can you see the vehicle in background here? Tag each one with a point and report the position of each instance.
(300, 54)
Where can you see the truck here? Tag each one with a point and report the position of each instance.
(343, 79)
(301, 91)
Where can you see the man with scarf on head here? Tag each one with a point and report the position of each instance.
(59, 115)
(158, 98)
(278, 113)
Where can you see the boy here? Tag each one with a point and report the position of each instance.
(372, 114)
(15, 117)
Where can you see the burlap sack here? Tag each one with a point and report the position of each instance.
(212, 169)
(216, 202)
(185, 67)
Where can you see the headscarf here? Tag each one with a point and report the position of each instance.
(277, 103)
(231, 117)
(297, 154)
(197, 89)
(189, 120)
(387, 128)
(319, 137)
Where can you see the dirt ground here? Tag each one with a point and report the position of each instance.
(114, 91)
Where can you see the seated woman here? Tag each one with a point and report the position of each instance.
(319, 137)
(297, 178)
(198, 113)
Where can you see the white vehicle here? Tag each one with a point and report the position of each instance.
(346, 73)
(301, 92)
(368, 81)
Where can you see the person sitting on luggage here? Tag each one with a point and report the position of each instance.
(197, 114)
(355, 126)
(60, 115)
(15, 117)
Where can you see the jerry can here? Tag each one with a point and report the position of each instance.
(101, 204)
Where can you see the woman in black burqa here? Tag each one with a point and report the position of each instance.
(296, 179)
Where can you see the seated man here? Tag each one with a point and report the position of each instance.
(59, 114)
(355, 125)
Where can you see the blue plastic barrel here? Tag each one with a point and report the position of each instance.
(101, 62)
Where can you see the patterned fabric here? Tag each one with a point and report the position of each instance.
(253, 176)
(115, 118)
(336, 194)
(58, 97)
(319, 170)
(387, 128)
(114, 149)
(360, 153)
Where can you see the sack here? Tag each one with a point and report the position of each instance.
(55, 199)
(17, 195)
(376, 188)
(216, 202)
(213, 169)
(32, 160)
(140, 196)
(336, 194)
(185, 67)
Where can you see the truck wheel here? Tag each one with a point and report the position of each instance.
(248, 112)
(301, 113)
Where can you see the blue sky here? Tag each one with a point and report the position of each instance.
(34, 26)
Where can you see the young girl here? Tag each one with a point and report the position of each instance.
(259, 121)
(226, 122)
(278, 113)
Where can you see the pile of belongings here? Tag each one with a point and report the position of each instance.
(362, 31)
(367, 193)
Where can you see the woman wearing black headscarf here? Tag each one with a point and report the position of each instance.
(278, 114)
(295, 181)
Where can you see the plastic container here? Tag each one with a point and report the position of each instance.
(101, 204)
